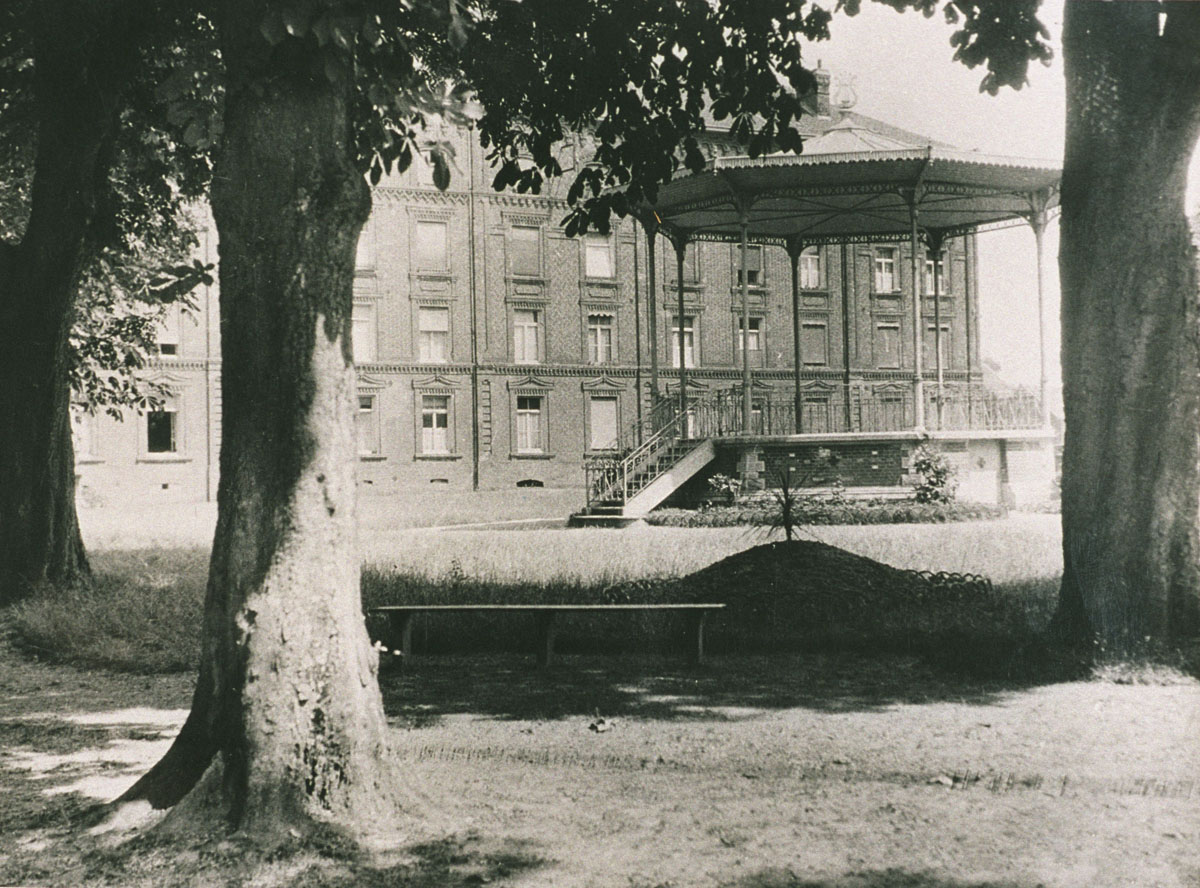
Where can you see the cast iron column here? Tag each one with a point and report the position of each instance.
(795, 246)
(918, 369)
(1037, 222)
(747, 382)
(650, 224)
(680, 242)
(936, 241)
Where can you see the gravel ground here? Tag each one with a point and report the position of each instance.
(819, 771)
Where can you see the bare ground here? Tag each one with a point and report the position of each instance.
(804, 771)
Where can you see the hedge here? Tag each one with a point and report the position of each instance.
(817, 512)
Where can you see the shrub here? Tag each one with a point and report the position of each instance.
(725, 486)
(935, 476)
(823, 511)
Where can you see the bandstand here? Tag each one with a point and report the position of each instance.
(851, 185)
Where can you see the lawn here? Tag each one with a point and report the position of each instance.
(791, 770)
(149, 596)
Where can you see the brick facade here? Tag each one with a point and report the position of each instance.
(556, 340)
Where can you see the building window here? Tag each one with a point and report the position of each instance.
(366, 426)
(168, 332)
(429, 246)
(892, 412)
(433, 335)
(600, 339)
(753, 341)
(362, 333)
(943, 285)
(525, 253)
(423, 165)
(814, 344)
(887, 345)
(691, 264)
(529, 424)
(754, 268)
(602, 423)
(814, 413)
(932, 343)
(526, 336)
(810, 269)
(885, 270)
(689, 342)
(162, 430)
(435, 424)
(364, 255)
(598, 256)
(83, 433)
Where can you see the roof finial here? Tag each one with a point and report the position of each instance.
(846, 96)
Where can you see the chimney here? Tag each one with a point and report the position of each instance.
(822, 75)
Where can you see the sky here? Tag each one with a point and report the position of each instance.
(903, 72)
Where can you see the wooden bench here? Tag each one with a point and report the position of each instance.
(402, 616)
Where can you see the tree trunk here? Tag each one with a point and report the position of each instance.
(1130, 349)
(287, 730)
(81, 66)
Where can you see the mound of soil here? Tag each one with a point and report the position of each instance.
(805, 591)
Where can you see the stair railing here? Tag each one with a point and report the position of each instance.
(611, 481)
(609, 478)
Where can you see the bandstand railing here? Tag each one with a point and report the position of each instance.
(643, 448)
(863, 407)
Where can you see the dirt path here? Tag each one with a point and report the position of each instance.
(809, 772)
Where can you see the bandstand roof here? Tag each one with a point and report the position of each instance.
(852, 183)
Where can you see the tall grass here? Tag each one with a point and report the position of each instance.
(145, 612)
(1016, 549)
(142, 614)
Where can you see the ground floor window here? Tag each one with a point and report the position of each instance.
(366, 424)
(602, 423)
(529, 424)
(162, 430)
(435, 423)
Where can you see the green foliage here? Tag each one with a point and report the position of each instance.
(819, 511)
(1002, 35)
(936, 482)
(138, 247)
(642, 80)
(122, 299)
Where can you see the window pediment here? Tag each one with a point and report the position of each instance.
(371, 383)
(602, 384)
(165, 378)
(437, 381)
(530, 383)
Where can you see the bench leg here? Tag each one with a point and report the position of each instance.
(545, 632)
(698, 636)
(401, 630)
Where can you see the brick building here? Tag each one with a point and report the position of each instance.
(494, 350)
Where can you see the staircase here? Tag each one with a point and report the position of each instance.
(623, 488)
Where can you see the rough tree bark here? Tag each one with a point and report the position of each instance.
(287, 730)
(1131, 340)
(83, 61)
